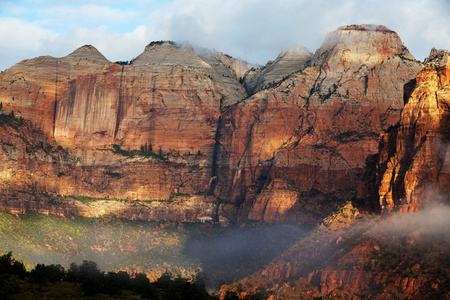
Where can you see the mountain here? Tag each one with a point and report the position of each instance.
(347, 140)
(177, 131)
(412, 167)
(297, 150)
(287, 62)
(392, 255)
(92, 114)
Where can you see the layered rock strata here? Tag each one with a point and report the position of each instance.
(177, 121)
(288, 61)
(413, 164)
(296, 150)
(142, 131)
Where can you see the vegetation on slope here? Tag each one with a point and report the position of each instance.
(224, 254)
(355, 256)
(115, 244)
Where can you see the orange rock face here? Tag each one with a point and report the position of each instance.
(311, 132)
(179, 122)
(84, 100)
(412, 167)
(165, 106)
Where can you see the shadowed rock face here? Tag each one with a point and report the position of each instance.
(287, 62)
(294, 151)
(412, 167)
(291, 152)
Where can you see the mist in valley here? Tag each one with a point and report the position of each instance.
(222, 254)
(401, 244)
(239, 251)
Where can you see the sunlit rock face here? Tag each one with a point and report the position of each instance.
(167, 103)
(413, 166)
(84, 100)
(308, 136)
(288, 144)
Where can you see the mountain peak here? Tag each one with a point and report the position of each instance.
(288, 61)
(367, 44)
(294, 52)
(169, 53)
(439, 58)
(159, 44)
(366, 27)
(87, 52)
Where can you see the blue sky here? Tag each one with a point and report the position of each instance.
(253, 30)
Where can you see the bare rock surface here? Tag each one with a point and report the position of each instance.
(411, 169)
(177, 121)
(311, 132)
(288, 61)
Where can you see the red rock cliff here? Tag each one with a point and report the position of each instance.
(176, 121)
(294, 151)
(413, 164)
(165, 105)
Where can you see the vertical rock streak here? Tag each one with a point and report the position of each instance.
(119, 106)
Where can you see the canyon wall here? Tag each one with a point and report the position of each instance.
(287, 142)
(296, 150)
(83, 126)
(412, 168)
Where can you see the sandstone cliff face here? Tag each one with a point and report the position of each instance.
(306, 139)
(176, 121)
(87, 101)
(288, 61)
(36, 174)
(412, 167)
(165, 106)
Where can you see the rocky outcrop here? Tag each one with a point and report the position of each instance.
(356, 281)
(412, 167)
(360, 256)
(239, 67)
(288, 61)
(308, 136)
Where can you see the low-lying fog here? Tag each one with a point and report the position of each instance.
(240, 251)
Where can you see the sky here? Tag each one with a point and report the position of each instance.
(252, 30)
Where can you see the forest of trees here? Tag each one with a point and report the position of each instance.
(87, 280)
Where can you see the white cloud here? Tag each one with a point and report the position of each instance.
(88, 15)
(255, 30)
(21, 40)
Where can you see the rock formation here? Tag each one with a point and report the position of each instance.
(142, 131)
(393, 255)
(296, 150)
(288, 61)
(359, 256)
(412, 167)
(177, 122)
